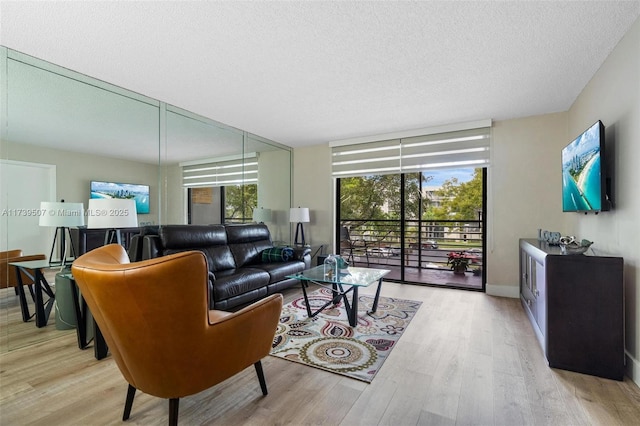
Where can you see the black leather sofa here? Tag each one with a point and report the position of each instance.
(135, 250)
(237, 274)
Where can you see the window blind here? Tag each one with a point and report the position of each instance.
(235, 170)
(458, 148)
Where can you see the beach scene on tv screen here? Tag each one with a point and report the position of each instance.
(581, 181)
(140, 193)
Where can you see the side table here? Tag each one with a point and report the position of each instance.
(33, 269)
(85, 322)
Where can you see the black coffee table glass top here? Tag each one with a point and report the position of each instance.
(351, 278)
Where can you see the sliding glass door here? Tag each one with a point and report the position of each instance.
(417, 225)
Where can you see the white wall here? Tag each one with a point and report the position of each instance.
(173, 196)
(274, 177)
(74, 171)
(524, 191)
(613, 96)
(313, 188)
(23, 187)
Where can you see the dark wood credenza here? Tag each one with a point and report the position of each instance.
(576, 306)
(85, 239)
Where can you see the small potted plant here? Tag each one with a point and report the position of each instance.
(458, 261)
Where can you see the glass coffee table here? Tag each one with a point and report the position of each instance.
(351, 278)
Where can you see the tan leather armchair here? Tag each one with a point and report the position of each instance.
(8, 275)
(154, 316)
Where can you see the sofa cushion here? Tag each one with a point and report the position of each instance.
(278, 271)
(233, 282)
(247, 242)
(192, 236)
(277, 254)
(247, 233)
(209, 239)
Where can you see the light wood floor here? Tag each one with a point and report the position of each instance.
(466, 358)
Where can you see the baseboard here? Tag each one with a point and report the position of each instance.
(503, 291)
(632, 369)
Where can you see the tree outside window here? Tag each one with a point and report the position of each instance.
(240, 201)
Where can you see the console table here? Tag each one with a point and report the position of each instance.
(86, 239)
(575, 304)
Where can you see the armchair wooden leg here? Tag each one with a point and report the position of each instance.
(174, 404)
(263, 383)
(131, 392)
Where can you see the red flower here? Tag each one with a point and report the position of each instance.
(458, 260)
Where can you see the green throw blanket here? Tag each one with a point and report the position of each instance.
(277, 254)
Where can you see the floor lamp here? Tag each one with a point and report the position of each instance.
(299, 215)
(62, 216)
(112, 214)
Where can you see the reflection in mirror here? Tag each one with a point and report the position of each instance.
(63, 130)
(67, 124)
(206, 156)
(274, 183)
(60, 130)
(227, 174)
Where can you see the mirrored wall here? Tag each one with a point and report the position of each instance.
(61, 130)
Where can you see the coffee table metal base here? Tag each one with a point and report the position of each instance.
(339, 292)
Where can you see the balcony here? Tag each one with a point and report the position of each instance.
(420, 257)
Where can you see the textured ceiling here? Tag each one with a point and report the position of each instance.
(303, 72)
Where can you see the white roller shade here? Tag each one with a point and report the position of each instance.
(373, 158)
(236, 170)
(467, 147)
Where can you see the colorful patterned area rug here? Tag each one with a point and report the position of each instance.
(328, 342)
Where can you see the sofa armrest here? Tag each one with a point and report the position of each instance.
(300, 252)
(151, 247)
(303, 254)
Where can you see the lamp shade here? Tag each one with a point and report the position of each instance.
(61, 214)
(262, 215)
(112, 213)
(299, 214)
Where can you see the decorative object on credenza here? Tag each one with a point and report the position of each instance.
(550, 237)
(63, 216)
(299, 216)
(569, 245)
(112, 214)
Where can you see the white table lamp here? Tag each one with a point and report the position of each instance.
(61, 215)
(299, 215)
(112, 214)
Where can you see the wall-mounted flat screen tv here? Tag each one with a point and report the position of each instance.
(140, 193)
(583, 175)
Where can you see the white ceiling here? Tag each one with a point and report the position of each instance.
(309, 72)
